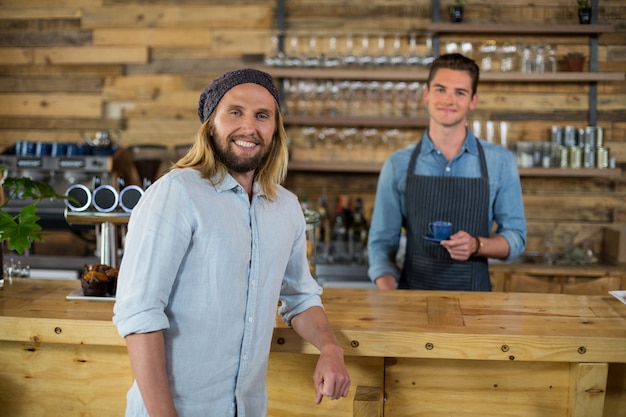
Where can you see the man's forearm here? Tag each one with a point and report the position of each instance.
(147, 359)
(313, 326)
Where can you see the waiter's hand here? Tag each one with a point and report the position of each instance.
(460, 246)
(386, 282)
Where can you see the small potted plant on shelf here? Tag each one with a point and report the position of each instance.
(574, 61)
(584, 12)
(20, 230)
(456, 11)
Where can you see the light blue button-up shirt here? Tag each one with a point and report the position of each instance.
(206, 266)
(506, 207)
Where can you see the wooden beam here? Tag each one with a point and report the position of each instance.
(91, 55)
(187, 16)
(51, 105)
(588, 389)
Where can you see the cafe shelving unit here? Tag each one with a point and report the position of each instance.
(374, 168)
(437, 28)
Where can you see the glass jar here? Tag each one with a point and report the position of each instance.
(312, 219)
(526, 59)
(508, 54)
(540, 59)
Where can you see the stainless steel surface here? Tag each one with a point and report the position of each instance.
(343, 276)
(49, 262)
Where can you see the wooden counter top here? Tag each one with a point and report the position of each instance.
(418, 324)
(552, 355)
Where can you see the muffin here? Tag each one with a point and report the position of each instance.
(111, 274)
(94, 283)
(99, 280)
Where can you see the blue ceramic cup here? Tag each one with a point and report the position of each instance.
(440, 230)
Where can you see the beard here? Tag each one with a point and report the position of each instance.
(225, 154)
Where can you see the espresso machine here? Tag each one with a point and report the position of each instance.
(62, 167)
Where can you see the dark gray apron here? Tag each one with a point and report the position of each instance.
(462, 201)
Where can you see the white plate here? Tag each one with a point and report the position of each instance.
(78, 295)
(620, 295)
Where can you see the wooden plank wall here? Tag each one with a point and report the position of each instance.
(77, 66)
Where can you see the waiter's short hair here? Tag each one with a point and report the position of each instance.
(457, 62)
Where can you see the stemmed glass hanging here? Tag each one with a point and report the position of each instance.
(381, 57)
(276, 57)
(332, 59)
(349, 58)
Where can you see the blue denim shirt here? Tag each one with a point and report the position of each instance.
(506, 207)
(207, 266)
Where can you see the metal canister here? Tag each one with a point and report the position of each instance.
(589, 156)
(556, 135)
(580, 136)
(569, 136)
(575, 156)
(590, 136)
(563, 156)
(599, 137)
(602, 157)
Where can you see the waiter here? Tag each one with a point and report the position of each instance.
(450, 175)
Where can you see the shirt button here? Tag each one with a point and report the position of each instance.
(253, 282)
(447, 169)
(250, 320)
(244, 357)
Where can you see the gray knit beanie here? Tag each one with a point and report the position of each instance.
(214, 92)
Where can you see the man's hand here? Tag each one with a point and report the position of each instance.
(460, 246)
(386, 282)
(331, 377)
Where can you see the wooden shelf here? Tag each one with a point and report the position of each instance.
(562, 76)
(345, 73)
(570, 172)
(374, 168)
(346, 121)
(421, 74)
(504, 28)
(345, 167)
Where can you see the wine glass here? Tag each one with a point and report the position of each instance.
(293, 56)
(275, 57)
(414, 99)
(381, 57)
(312, 57)
(369, 138)
(396, 57)
(363, 54)
(332, 58)
(349, 58)
(412, 58)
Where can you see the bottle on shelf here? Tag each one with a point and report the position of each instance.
(339, 246)
(324, 232)
(358, 234)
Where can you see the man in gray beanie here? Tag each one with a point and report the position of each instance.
(211, 248)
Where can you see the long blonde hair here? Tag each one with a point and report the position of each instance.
(271, 173)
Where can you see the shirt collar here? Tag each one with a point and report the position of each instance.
(230, 184)
(469, 145)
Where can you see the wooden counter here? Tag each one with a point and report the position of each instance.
(595, 279)
(434, 353)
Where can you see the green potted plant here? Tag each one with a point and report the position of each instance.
(584, 12)
(20, 230)
(574, 61)
(456, 11)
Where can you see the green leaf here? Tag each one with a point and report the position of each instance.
(20, 230)
(27, 188)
